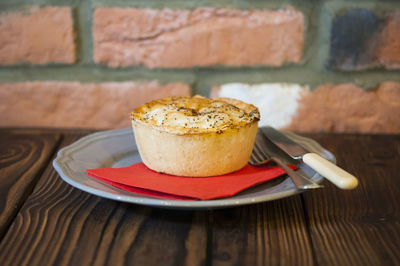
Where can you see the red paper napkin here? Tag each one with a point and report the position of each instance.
(139, 179)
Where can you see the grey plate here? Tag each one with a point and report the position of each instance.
(117, 148)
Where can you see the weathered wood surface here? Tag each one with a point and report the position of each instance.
(61, 225)
(362, 226)
(23, 156)
(56, 224)
(271, 233)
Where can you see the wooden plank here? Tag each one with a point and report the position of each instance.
(23, 156)
(271, 233)
(362, 226)
(61, 225)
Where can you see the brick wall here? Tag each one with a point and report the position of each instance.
(331, 66)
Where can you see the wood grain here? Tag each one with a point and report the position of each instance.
(362, 226)
(23, 156)
(61, 225)
(272, 233)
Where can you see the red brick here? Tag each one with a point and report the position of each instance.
(389, 52)
(78, 105)
(37, 35)
(202, 37)
(348, 108)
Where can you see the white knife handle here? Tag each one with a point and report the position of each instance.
(330, 171)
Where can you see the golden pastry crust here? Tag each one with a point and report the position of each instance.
(196, 115)
(195, 136)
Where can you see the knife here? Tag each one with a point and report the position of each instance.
(330, 171)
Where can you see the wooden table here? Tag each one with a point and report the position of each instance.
(45, 221)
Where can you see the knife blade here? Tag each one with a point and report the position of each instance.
(264, 151)
(330, 171)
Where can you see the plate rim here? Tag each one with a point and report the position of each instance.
(63, 158)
